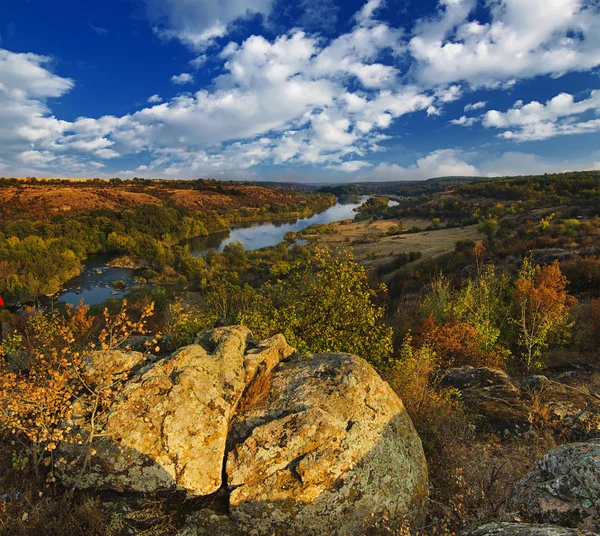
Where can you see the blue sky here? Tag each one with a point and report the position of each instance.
(309, 90)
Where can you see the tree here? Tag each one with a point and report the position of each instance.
(543, 308)
(44, 370)
(488, 227)
(324, 304)
(482, 302)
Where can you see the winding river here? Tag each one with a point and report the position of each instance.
(95, 283)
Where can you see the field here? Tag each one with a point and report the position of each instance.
(372, 247)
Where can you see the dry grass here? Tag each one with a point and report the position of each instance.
(470, 474)
(45, 200)
(371, 247)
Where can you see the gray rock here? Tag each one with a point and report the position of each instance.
(563, 488)
(572, 411)
(490, 394)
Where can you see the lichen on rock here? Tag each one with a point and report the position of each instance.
(294, 444)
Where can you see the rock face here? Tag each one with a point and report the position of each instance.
(522, 529)
(490, 394)
(563, 488)
(315, 444)
(572, 410)
(329, 447)
(168, 427)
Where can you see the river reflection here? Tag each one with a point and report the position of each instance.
(261, 235)
(94, 283)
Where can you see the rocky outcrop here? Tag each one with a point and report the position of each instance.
(328, 449)
(563, 488)
(523, 529)
(489, 394)
(289, 444)
(570, 408)
(168, 427)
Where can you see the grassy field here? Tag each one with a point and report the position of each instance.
(372, 247)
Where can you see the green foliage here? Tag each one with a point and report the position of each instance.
(325, 305)
(38, 257)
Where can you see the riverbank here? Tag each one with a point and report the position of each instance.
(96, 283)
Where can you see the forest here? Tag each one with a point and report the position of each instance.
(521, 300)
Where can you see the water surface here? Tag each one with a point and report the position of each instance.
(260, 235)
(94, 283)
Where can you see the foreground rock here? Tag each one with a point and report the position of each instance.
(563, 488)
(168, 428)
(490, 394)
(329, 449)
(315, 444)
(522, 529)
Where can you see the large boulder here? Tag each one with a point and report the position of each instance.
(329, 449)
(523, 529)
(167, 429)
(563, 488)
(263, 440)
(571, 409)
(490, 394)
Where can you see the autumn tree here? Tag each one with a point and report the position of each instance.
(543, 308)
(44, 370)
(463, 326)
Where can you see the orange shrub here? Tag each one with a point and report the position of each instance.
(457, 343)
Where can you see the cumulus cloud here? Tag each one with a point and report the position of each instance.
(350, 166)
(183, 78)
(464, 121)
(301, 99)
(198, 23)
(522, 39)
(561, 115)
(440, 163)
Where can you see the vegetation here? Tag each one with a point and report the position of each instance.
(522, 296)
(38, 254)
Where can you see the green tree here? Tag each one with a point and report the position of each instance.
(324, 305)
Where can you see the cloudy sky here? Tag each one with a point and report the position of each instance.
(302, 90)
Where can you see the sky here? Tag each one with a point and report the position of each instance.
(304, 90)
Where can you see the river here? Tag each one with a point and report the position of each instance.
(95, 283)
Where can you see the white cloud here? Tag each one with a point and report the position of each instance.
(197, 23)
(475, 106)
(301, 99)
(198, 61)
(537, 121)
(440, 163)
(350, 166)
(464, 121)
(365, 15)
(99, 30)
(183, 78)
(523, 39)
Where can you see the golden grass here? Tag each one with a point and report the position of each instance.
(371, 247)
